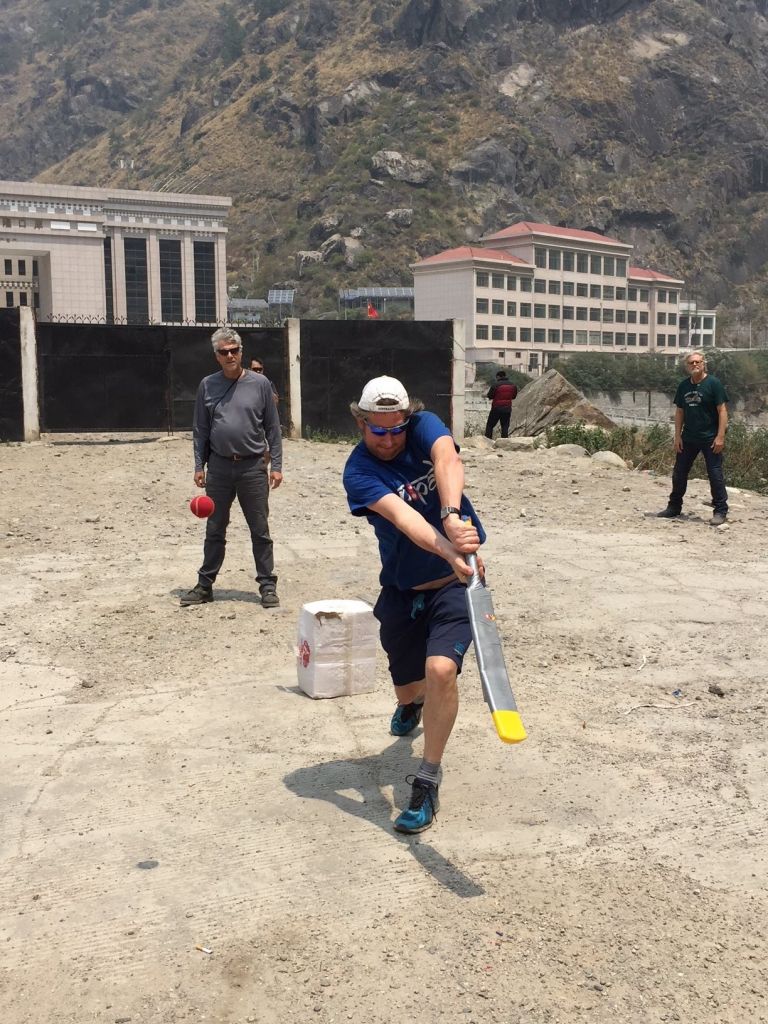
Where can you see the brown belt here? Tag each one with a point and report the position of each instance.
(239, 458)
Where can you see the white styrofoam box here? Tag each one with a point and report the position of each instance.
(336, 652)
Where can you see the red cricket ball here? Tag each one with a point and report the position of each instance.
(202, 506)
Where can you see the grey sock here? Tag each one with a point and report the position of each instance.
(428, 772)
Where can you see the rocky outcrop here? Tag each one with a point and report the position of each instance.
(490, 161)
(402, 218)
(550, 401)
(390, 163)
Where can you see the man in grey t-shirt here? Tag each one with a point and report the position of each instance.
(235, 425)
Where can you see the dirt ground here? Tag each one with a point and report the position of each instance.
(165, 786)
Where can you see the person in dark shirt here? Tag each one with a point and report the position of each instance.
(235, 428)
(701, 419)
(502, 394)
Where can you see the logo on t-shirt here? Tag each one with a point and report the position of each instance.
(415, 491)
(692, 398)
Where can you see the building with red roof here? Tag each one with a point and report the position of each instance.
(531, 292)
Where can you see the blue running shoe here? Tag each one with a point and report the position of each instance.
(405, 719)
(422, 809)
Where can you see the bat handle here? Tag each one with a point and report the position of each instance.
(475, 580)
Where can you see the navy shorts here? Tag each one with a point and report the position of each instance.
(419, 624)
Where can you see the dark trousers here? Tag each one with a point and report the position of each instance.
(498, 415)
(248, 481)
(685, 459)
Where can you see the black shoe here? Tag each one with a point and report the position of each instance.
(422, 809)
(405, 719)
(269, 598)
(197, 595)
(718, 519)
(667, 513)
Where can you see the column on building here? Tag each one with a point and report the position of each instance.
(118, 269)
(188, 275)
(220, 256)
(153, 277)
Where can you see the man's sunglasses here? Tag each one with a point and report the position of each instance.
(383, 431)
(227, 351)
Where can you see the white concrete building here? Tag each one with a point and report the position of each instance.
(698, 327)
(114, 254)
(533, 291)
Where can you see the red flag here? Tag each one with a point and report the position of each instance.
(373, 313)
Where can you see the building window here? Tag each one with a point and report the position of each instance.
(6, 222)
(539, 311)
(517, 355)
(36, 299)
(631, 339)
(554, 337)
(136, 293)
(581, 312)
(497, 280)
(497, 333)
(554, 288)
(621, 267)
(567, 312)
(540, 258)
(9, 299)
(512, 335)
(620, 316)
(567, 337)
(643, 316)
(554, 312)
(662, 295)
(661, 318)
(607, 337)
(205, 281)
(643, 294)
(631, 316)
(525, 309)
(511, 309)
(171, 303)
(643, 340)
(672, 319)
(632, 294)
(525, 334)
(539, 335)
(673, 298)
(607, 316)
(661, 340)
(594, 337)
(35, 269)
(9, 268)
(554, 259)
(594, 313)
(608, 266)
(608, 292)
(540, 287)
(581, 337)
(595, 264)
(481, 305)
(22, 298)
(525, 284)
(481, 279)
(594, 291)
(582, 263)
(621, 294)
(708, 322)
(568, 288)
(109, 294)
(22, 268)
(619, 338)
(568, 259)
(511, 284)
(497, 307)
(481, 332)
(671, 340)
(582, 290)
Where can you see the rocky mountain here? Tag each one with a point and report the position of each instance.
(356, 137)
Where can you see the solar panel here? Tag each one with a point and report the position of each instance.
(375, 293)
(281, 296)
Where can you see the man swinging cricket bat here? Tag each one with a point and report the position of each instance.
(405, 476)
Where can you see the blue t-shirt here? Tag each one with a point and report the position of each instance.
(412, 477)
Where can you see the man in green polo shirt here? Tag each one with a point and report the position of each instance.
(701, 418)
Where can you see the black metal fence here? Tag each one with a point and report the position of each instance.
(11, 405)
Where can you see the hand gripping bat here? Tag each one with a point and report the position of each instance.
(497, 690)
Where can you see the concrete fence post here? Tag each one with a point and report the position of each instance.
(458, 382)
(29, 389)
(294, 374)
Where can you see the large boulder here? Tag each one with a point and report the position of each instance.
(402, 168)
(551, 401)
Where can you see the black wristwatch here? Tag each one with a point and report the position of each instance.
(449, 510)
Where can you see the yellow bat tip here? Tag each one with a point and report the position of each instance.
(509, 726)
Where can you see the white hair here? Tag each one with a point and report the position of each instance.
(225, 334)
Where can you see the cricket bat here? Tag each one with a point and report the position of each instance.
(497, 690)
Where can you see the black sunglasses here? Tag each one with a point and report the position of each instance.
(227, 351)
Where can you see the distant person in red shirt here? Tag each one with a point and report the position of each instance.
(502, 394)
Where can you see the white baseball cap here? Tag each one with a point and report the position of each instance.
(384, 394)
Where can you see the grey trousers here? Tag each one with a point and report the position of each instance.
(247, 481)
